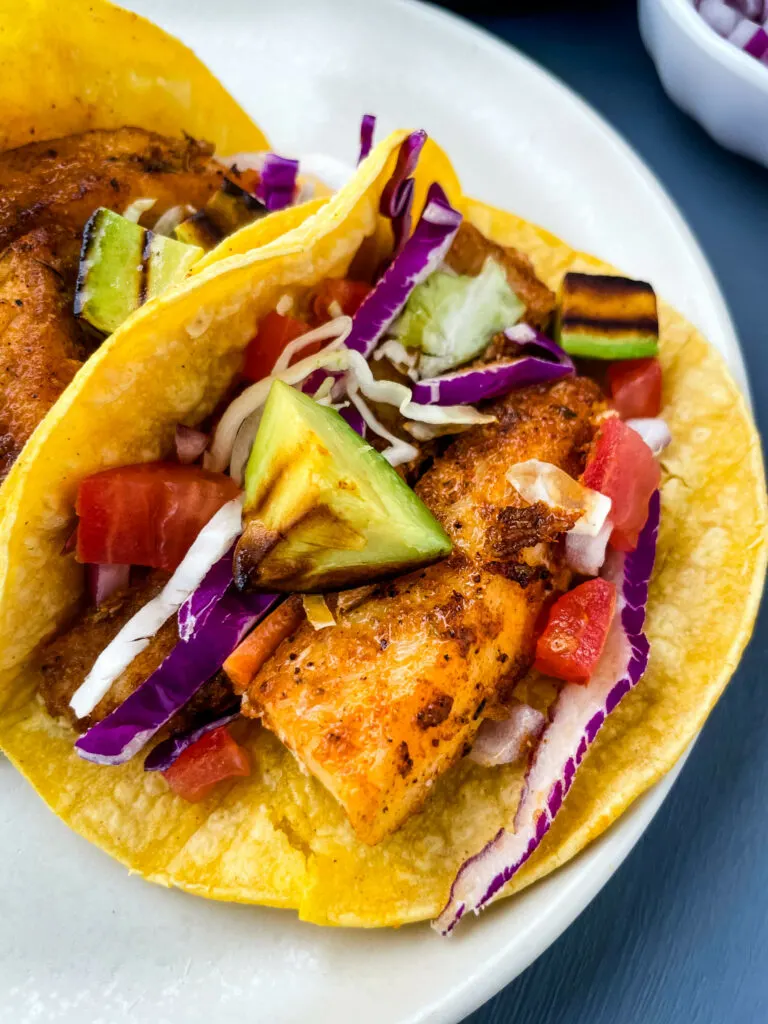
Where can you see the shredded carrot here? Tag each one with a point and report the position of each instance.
(246, 660)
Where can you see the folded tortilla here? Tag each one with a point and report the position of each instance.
(278, 837)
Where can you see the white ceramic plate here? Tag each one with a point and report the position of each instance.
(80, 941)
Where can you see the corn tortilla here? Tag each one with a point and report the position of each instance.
(278, 838)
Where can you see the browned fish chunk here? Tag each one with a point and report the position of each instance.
(377, 707)
(469, 252)
(67, 660)
(63, 181)
(41, 345)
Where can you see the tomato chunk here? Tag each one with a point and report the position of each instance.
(622, 467)
(246, 660)
(274, 333)
(636, 388)
(210, 760)
(576, 631)
(344, 293)
(147, 514)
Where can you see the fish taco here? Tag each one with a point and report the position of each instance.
(123, 162)
(374, 571)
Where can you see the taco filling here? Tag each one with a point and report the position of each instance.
(94, 225)
(410, 498)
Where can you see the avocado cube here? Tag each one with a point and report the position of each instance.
(122, 266)
(603, 317)
(324, 510)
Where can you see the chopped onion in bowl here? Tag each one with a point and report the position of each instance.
(584, 554)
(190, 444)
(105, 580)
(575, 720)
(540, 481)
(215, 538)
(505, 742)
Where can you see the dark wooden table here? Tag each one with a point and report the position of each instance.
(680, 934)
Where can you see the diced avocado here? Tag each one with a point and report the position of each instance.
(122, 266)
(451, 318)
(228, 209)
(323, 510)
(604, 317)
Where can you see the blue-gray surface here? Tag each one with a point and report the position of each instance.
(680, 934)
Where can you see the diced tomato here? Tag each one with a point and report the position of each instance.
(346, 294)
(636, 388)
(147, 514)
(274, 333)
(576, 631)
(211, 759)
(622, 467)
(246, 660)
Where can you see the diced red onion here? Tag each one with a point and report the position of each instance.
(654, 431)
(421, 254)
(190, 443)
(584, 554)
(161, 757)
(719, 16)
(505, 742)
(397, 195)
(277, 186)
(127, 729)
(367, 128)
(105, 580)
(575, 720)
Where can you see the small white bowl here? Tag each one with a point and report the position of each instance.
(724, 89)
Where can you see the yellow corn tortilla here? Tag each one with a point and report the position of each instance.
(277, 837)
(71, 66)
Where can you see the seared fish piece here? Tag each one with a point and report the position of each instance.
(41, 345)
(62, 181)
(67, 660)
(379, 706)
(468, 253)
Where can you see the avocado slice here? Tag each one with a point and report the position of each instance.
(603, 317)
(323, 510)
(228, 209)
(122, 266)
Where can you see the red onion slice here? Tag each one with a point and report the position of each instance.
(106, 580)
(190, 444)
(575, 720)
(505, 742)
